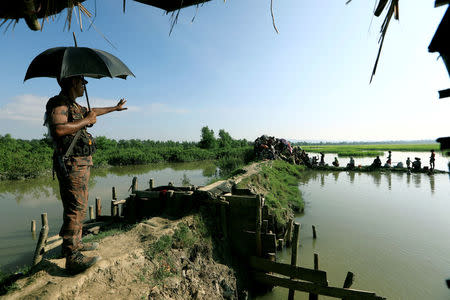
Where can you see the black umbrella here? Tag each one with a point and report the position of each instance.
(63, 62)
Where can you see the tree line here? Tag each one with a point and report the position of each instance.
(30, 158)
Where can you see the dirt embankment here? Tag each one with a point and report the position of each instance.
(159, 258)
(128, 271)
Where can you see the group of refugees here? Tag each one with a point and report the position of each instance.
(269, 147)
(416, 165)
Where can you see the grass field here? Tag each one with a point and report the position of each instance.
(369, 150)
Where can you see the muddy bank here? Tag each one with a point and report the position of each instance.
(131, 268)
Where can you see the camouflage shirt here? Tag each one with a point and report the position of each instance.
(85, 144)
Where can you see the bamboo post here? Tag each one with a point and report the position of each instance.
(33, 226)
(289, 232)
(151, 183)
(134, 185)
(348, 280)
(294, 254)
(91, 212)
(98, 207)
(314, 232)
(316, 267)
(265, 225)
(114, 196)
(223, 217)
(38, 253)
(258, 226)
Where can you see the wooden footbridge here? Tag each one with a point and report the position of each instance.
(243, 220)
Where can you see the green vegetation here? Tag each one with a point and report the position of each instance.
(279, 180)
(8, 280)
(368, 150)
(31, 158)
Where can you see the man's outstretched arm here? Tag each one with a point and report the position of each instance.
(104, 110)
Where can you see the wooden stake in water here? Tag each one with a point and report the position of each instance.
(151, 183)
(316, 267)
(258, 226)
(114, 196)
(38, 253)
(289, 232)
(348, 280)
(33, 226)
(134, 185)
(314, 232)
(98, 207)
(294, 254)
(91, 212)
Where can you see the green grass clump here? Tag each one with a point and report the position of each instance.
(359, 153)
(160, 247)
(280, 180)
(183, 237)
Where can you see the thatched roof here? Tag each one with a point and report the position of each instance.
(32, 10)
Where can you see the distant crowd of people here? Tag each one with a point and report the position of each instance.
(269, 147)
(415, 165)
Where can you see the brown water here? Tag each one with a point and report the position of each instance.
(391, 230)
(23, 201)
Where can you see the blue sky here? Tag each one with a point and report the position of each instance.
(230, 70)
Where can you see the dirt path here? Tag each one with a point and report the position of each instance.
(125, 272)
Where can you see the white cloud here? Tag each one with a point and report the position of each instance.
(24, 108)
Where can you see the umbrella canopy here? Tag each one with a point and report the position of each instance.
(171, 5)
(63, 62)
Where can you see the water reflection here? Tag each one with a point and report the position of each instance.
(417, 180)
(389, 180)
(336, 176)
(432, 181)
(351, 175)
(376, 178)
(392, 179)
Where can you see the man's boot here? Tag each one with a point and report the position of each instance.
(82, 247)
(77, 262)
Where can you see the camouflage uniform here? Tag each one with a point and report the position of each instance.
(73, 181)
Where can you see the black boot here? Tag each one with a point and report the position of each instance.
(77, 262)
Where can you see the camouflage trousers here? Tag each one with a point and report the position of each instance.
(73, 188)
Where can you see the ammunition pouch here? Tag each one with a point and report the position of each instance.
(84, 145)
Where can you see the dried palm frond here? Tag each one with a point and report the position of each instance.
(393, 8)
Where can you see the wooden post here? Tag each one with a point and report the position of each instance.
(223, 217)
(348, 280)
(98, 207)
(258, 226)
(114, 196)
(33, 226)
(134, 185)
(38, 253)
(289, 232)
(151, 183)
(294, 254)
(280, 244)
(265, 225)
(112, 208)
(314, 232)
(91, 212)
(316, 267)
(272, 256)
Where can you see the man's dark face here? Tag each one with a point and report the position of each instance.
(77, 84)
